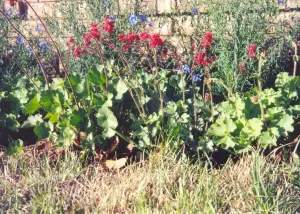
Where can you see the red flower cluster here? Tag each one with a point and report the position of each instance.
(12, 2)
(109, 25)
(79, 50)
(71, 42)
(94, 32)
(164, 52)
(126, 48)
(201, 58)
(129, 38)
(156, 41)
(206, 41)
(144, 36)
(193, 47)
(242, 67)
(252, 51)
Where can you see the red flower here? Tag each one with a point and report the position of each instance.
(252, 51)
(87, 39)
(109, 25)
(207, 96)
(193, 47)
(156, 41)
(164, 52)
(206, 41)
(94, 31)
(79, 50)
(122, 38)
(12, 2)
(71, 41)
(202, 59)
(144, 35)
(126, 48)
(132, 37)
(242, 67)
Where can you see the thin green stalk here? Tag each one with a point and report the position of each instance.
(259, 83)
(296, 59)
(208, 82)
(182, 88)
(222, 83)
(156, 82)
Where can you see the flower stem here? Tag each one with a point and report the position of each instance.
(259, 83)
(295, 58)
(182, 85)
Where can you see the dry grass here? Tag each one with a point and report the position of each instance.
(158, 185)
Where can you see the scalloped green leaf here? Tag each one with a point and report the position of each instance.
(32, 106)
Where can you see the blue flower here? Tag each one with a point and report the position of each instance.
(195, 11)
(38, 28)
(133, 19)
(143, 18)
(43, 46)
(106, 3)
(185, 69)
(150, 24)
(197, 77)
(30, 70)
(20, 40)
(112, 18)
(29, 50)
(280, 1)
(9, 13)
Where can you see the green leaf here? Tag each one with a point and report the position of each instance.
(121, 89)
(284, 124)
(53, 118)
(97, 76)
(66, 137)
(267, 139)
(14, 148)
(225, 141)
(57, 83)
(32, 121)
(32, 106)
(232, 108)
(273, 112)
(170, 109)
(269, 96)
(21, 95)
(282, 79)
(295, 110)
(222, 127)
(43, 130)
(107, 120)
(11, 122)
(252, 129)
